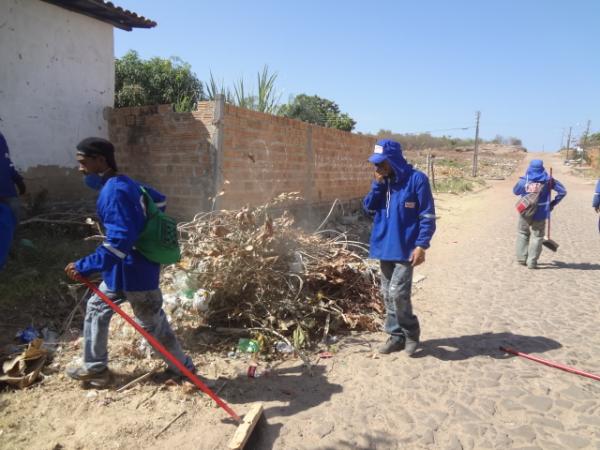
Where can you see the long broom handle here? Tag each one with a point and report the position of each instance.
(160, 348)
(551, 363)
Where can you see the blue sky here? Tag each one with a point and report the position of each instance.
(531, 67)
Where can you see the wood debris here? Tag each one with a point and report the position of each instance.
(249, 269)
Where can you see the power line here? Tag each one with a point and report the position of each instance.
(449, 129)
(434, 131)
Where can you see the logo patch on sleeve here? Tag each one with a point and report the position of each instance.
(410, 204)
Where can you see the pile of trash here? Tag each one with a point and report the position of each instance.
(246, 269)
(21, 364)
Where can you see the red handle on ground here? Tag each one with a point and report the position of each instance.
(551, 364)
(160, 348)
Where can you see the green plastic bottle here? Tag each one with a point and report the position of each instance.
(248, 345)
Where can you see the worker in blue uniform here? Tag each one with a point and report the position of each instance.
(404, 222)
(596, 201)
(10, 181)
(530, 237)
(127, 275)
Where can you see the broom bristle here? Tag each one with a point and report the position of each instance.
(550, 244)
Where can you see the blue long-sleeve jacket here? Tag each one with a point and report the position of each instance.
(544, 203)
(121, 209)
(8, 174)
(596, 200)
(404, 213)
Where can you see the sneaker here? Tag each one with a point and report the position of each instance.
(523, 263)
(411, 346)
(392, 345)
(171, 375)
(532, 266)
(93, 379)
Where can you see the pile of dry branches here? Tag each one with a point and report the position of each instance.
(263, 273)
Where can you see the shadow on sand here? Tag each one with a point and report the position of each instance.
(292, 386)
(486, 344)
(564, 265)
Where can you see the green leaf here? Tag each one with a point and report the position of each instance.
(298, 337)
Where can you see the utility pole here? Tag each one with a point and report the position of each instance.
(476, 149)
(568, 143)
(587, 133)
(584, 143)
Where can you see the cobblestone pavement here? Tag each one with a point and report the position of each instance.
(462, 392)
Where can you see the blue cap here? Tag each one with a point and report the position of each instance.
(536, 165)
(384, 150)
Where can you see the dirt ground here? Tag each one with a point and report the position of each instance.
(459, 392)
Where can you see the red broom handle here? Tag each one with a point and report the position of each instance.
(551, 364)
(160, 348)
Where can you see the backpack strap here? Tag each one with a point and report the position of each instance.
(149, 206)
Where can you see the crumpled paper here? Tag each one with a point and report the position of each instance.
(24, 369)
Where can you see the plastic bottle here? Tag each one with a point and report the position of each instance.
(248, 345)
(28, 334)
(283, 347)
(201, 300)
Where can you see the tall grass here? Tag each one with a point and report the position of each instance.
(457, 185)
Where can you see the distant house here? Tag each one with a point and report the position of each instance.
(56, 77)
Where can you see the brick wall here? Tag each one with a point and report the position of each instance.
(168, 150)
(249, 156)
(264, 155)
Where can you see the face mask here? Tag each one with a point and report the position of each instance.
(93, 181)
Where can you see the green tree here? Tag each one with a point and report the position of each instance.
(592, 140)
(317, 110)
(141, 82)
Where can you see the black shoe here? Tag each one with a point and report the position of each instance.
(171, 375)
(410, 347)
(393, 344)
(97, 380)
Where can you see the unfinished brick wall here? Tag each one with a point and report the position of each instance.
(249, 156)
(264, 155)
(169, 151)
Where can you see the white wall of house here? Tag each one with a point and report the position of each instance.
(56, 77)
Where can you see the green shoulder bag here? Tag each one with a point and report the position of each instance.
(158, 240)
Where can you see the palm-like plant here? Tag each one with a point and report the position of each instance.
(266, 100)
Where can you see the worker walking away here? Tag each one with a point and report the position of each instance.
(530, 237)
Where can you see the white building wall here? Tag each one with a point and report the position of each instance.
(56, 77)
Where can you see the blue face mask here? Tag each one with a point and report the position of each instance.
(93, 181)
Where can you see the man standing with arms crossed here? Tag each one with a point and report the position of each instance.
(404, 222)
